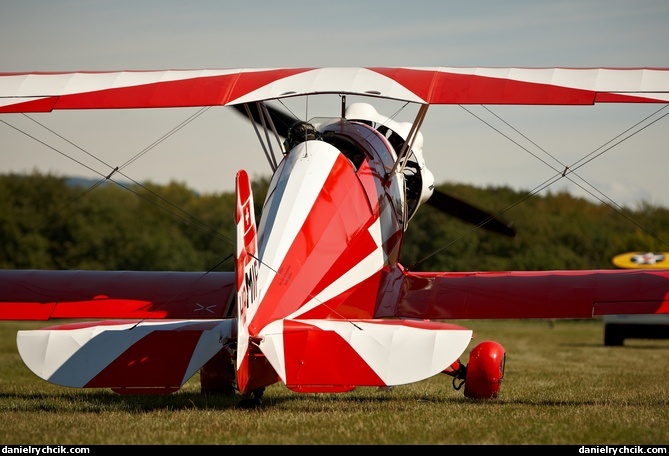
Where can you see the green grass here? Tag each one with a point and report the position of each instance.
(561, 386)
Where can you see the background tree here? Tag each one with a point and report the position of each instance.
(49, 222)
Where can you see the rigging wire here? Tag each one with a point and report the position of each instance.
(565, 172)
(188, 218)
(568, 170)
(177, 212)
(174, 211)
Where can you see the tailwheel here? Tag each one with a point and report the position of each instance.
(483, 376)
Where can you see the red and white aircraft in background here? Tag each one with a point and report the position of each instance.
(319, 299)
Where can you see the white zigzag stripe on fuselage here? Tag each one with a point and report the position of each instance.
(309, 166)
(356, 274)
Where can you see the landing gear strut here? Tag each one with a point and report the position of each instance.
(217, 376)
(253, 400)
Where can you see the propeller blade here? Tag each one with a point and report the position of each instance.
(282, 120)
(470, 214)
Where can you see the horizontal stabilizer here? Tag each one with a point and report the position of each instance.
(125, 356)
(337, 355)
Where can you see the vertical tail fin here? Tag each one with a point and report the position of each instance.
(246, 271)
(253, 370)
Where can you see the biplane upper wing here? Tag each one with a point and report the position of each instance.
(44, 92)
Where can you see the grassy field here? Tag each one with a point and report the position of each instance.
(561, 386)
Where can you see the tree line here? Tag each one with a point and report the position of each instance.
(51, 222)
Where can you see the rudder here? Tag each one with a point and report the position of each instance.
(253, 370)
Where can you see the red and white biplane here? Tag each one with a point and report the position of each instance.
(319, 299)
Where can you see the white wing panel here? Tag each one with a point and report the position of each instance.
(53, 84)
(597, 79)
(332, 80)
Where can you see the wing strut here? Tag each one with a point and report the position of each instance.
(263, 114)
(411, 137)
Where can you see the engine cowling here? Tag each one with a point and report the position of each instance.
(485, 370)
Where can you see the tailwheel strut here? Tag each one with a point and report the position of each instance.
(458, 371)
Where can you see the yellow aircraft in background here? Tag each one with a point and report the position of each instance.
(617, 328)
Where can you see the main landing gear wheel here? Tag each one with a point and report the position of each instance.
(483, 375)
(253, 400)
(217, 376)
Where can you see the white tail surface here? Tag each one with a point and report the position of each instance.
(318, 355)
(148, 354)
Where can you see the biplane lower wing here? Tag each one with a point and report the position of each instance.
(531, 294)
(45, 295)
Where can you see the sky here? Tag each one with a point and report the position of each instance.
(518, 146)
